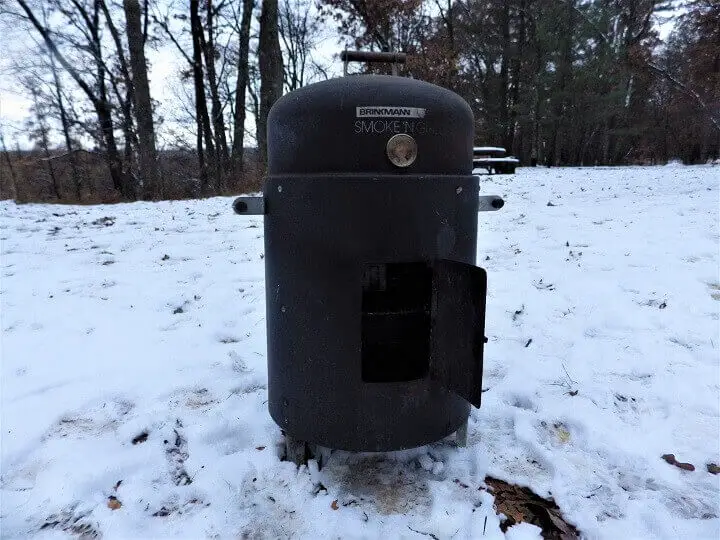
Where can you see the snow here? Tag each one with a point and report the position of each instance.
(603, 355)
(481, 149)
(491, 160)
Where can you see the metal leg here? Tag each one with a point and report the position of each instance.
(296, 450)
(461, 435)
(319, 454)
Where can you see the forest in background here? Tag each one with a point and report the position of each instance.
(563, 82)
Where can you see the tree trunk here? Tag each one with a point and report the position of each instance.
(241, 85)
(559, 98)
(201, 112)
(65, 123)
(45, 144)
(143, 104)
(8, 160)
(208, 47)
(271, 70)
(121, 180)
(516, 77)
(504, 79)
(605, 148)
(126, 101)
(112, 156)
(48, 159)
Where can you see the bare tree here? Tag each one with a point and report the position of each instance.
(299, 29)
(40, 132)
(143, 105)
(243, 75)
(127, 98)
(65, 123)
(96, 91)
(210, 53)
(271, 69)
(204, 131)
(9, 163)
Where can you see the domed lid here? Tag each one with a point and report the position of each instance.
(370, 124)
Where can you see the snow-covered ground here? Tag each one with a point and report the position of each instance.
(133, 367)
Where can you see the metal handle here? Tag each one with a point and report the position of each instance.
(373, 56)
(393, 58)
(490, 203)
(249, 206)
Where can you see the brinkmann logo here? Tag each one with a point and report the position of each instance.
(385, 111)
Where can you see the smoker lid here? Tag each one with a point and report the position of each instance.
(345, 125)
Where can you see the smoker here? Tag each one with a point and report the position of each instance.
(375, 308)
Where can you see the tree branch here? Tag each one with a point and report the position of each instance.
(165, 27)
(685, 89)
(60, 57)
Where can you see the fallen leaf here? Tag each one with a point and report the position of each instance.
(334, 505)
(113, 503)
(515, 514)
(562, 433)
(712, 468)
(573, 393)
(565, 528)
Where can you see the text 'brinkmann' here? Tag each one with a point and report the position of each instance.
(385, 111)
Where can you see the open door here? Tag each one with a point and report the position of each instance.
(457, 328)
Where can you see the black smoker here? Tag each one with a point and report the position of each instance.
(375, 310)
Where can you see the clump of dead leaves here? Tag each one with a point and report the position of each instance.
(521, 505)
(670, 458)
(113, 503)
(712, 468)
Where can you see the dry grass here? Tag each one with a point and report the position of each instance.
(82, 177)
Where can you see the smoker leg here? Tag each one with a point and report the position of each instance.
(461, 435)
(320, 454)
(296, 450)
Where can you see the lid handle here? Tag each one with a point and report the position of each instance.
(393, 58)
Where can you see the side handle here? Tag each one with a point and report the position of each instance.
(490, 203)
(249, 206)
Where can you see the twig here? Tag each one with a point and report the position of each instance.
(568, 375)
(424, 533)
